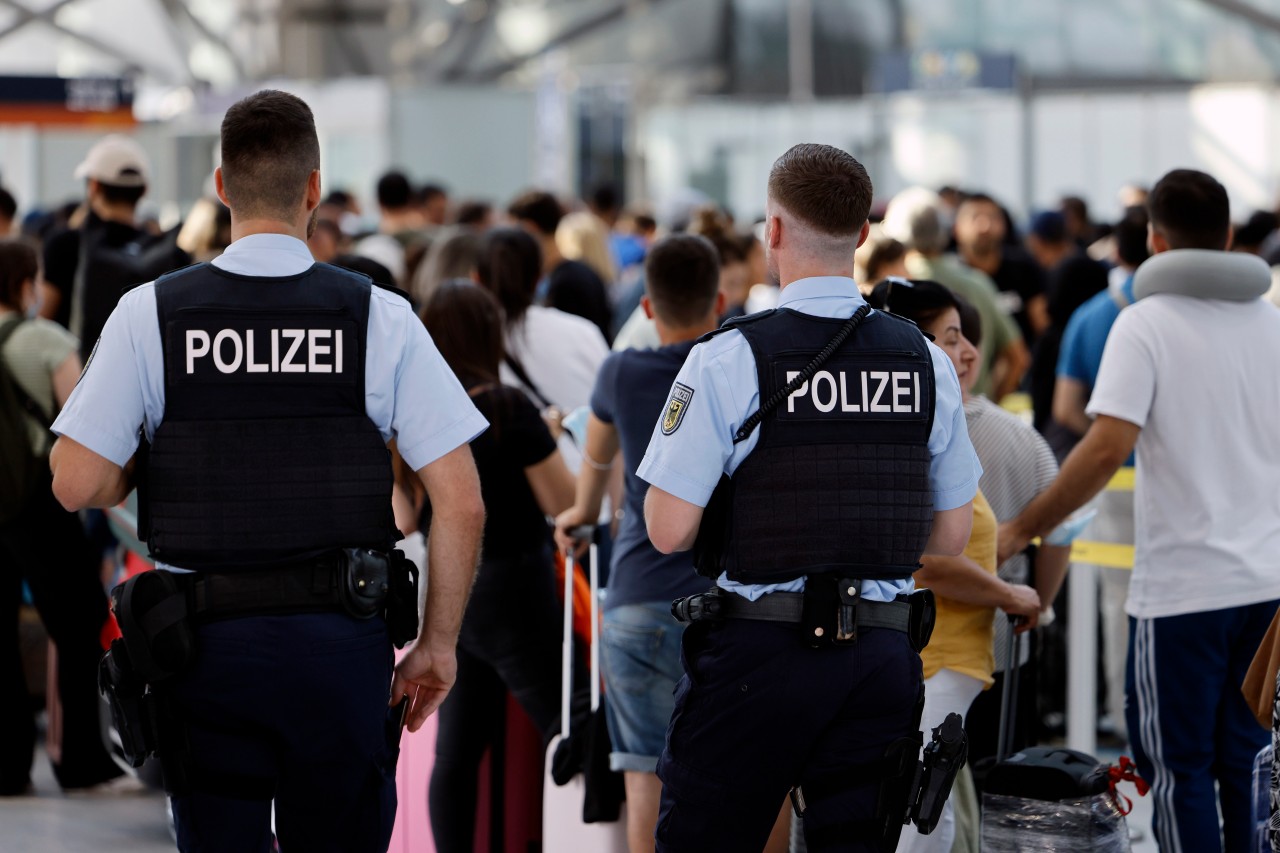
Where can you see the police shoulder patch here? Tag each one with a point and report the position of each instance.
(681, 395)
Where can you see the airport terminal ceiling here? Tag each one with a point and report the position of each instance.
(700, 46)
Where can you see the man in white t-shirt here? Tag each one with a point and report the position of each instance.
(1191, 381)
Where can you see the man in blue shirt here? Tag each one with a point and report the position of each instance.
(822, 509)
(287, 705)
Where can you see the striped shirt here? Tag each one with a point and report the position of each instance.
(1017, 465)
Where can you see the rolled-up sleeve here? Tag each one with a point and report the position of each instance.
(410, 392)
(954, 469)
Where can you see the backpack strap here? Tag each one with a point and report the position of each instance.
(32, 408)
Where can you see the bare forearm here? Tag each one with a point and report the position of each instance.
(453, 550)
(961, 579)
(1085, 473)
(592, 484)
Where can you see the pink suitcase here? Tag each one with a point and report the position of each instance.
(563, 830)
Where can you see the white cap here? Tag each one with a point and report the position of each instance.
(116, 160)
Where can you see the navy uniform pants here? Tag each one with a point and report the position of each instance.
(291, 710)
(758, 712)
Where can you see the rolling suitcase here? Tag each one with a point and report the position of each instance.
(563, 828)
(1047, 799)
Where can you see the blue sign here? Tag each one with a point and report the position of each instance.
(944, 70)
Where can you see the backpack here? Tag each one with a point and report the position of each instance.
(22, 470)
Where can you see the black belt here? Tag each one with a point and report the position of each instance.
(315, 585)
(787, 607)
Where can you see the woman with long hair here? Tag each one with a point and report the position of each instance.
(510, 638)
(552, 355)
(44, 545)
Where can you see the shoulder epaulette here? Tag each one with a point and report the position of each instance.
(181, 270)
(734, 322)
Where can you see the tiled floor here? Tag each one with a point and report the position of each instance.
(51, 822)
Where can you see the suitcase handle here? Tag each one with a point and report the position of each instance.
(1009, 694)
(566, 658)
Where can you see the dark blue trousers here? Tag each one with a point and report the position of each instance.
(1194, 737)
(758, 712)
(291, 710)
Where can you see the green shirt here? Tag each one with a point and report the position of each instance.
(998, 329)
(33, 352)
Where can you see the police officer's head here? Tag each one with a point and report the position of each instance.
(816, 213)
(682, 282)
(1189, 210)
(270, 170)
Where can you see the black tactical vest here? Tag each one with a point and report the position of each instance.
(839, 480)
(266, 455)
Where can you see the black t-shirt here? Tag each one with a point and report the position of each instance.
(61, 257)
(1019, 280)
(1070, 284)
(574, 288)
(516, 438)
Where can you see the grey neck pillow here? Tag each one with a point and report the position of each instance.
(1203, 274)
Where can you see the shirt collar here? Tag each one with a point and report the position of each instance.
(286, 255)
(820, 287)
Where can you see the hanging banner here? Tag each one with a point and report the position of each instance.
(105, 102)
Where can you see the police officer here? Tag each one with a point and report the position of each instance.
(800, 666)
(267, 387)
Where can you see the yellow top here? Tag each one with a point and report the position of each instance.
(964, 633)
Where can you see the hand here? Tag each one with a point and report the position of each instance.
(1024, 603)
(568, 523)
(554, 419)
(1012, 539)
(425, 674)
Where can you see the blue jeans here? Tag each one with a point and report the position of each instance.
(640, 656)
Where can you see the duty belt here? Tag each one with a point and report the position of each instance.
(785, 607)
(353, 580)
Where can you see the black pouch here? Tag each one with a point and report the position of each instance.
(132, 708)
(155, 622)
(364, 582)
(402, 600)
(712, 543)
(923, 616)
(819, 618)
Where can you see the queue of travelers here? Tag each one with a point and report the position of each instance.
(572, 329)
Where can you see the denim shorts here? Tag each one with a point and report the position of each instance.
(640, 656)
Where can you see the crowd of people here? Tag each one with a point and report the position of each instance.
(567, 321)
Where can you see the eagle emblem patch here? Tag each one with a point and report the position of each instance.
(676, 407)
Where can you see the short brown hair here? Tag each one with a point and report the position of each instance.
(269, 150)
(823, 187)
(682, 278)
(19, 263)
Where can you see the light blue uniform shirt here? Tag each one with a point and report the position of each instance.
(722, 373)
(410, 392)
